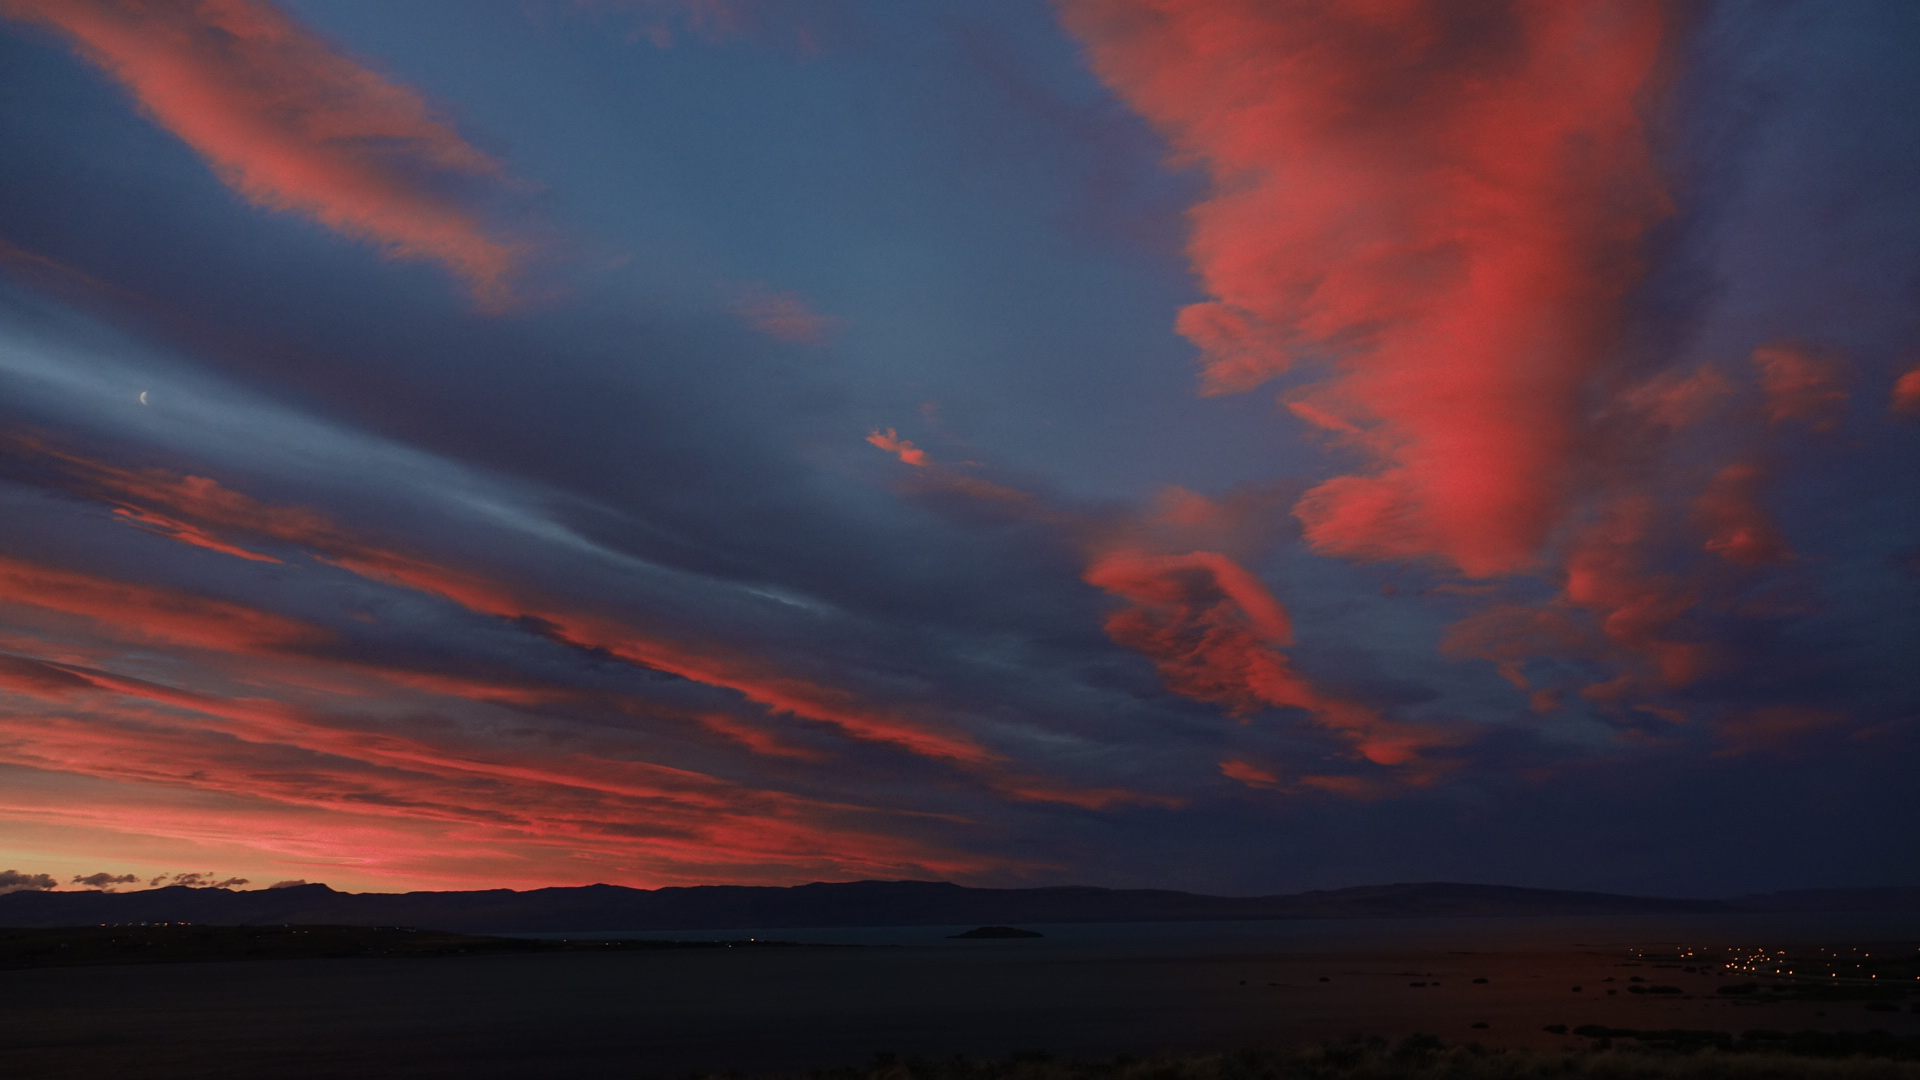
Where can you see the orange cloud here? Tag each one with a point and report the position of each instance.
(1801, 383)
(292, 125)
(1439, 205)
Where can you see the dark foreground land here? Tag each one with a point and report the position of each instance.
(1201, 995)
(1414, 1058)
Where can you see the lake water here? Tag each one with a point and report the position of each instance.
(1294, 935)
(1083, 990)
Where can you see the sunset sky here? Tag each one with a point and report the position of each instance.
(1230, 445)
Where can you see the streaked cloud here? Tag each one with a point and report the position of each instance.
(294, 125)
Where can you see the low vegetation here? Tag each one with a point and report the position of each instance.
(1418, 1057)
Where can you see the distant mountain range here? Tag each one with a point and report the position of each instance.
(860, 903)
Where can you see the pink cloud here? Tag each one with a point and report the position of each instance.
(1442, 215)
(1801, 383)
(890, 441)
(1211, 628)
(785, 316)
(293, 125)
(1214, 633)
(1738, 529)
(124, 611)
(1249, 774)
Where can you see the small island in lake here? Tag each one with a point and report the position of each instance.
(997, 932)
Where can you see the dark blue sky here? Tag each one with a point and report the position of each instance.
(1217, 446)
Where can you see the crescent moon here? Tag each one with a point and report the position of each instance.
(143, 397)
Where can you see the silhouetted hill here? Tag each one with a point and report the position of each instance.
(1889, 898)
(854, 903)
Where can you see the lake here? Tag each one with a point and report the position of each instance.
(1081, 990)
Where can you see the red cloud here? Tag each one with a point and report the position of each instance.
(890, 441)
(207, 505)
(359, 807)
(757, 739)
(1211, 628)
(1672, 400)
(147, 613)
(1439, 208)
(1442, 206)
(1738, 530)
(23, 676)
(1029, 789)
(584, 796)
(713, 665)
(1509, 635)
(292, 125)
(1214, 632)
(1250, 775)
(1612, 609)
(1775, 729)
(1906, 392)
(1801, 383)
(187, 534)
(1637, 610)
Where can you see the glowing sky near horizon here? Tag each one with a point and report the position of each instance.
(1233, 445)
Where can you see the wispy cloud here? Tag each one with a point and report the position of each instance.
(294, 125)
(785, 316)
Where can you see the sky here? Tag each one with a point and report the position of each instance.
(1230, 445)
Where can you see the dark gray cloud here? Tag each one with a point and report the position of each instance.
(16, 881)
(104, 880)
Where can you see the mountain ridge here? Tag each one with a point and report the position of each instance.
(602, 907)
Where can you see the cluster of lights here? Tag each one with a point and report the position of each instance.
(1762, 961)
